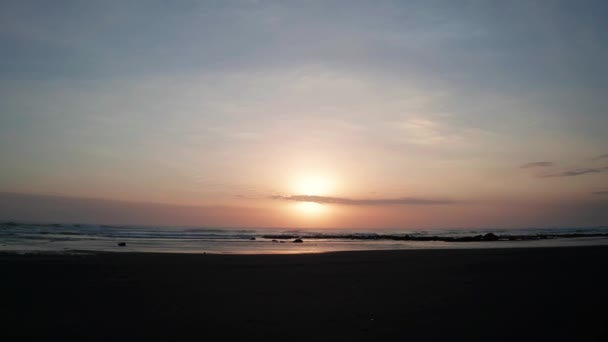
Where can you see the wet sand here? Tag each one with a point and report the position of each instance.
(485, 294)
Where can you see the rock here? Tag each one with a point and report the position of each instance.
(252, 239)
(122, 244)
(298, 241)
(275, 241)
(490, 237)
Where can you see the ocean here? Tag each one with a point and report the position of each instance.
(73, 238)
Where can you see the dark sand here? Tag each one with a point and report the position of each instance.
(503, 294)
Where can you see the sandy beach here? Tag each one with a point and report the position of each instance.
(504, 294)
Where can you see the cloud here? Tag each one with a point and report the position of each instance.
(568, 173)
(575, 172)
(603, 156)
(352, 201)
(602, 192)
(537, 164)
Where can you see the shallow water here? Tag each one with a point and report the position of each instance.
(20, 237)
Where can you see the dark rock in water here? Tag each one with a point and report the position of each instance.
(252, 239)
(122, 244)
(282, 241)
(490, 237)
(275, 241)
(298, 241)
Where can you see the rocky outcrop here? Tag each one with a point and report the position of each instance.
(490, 237)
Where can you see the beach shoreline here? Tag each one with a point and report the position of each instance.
(22, 237)
(93, 252)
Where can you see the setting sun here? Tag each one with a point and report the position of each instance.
(312, 186)
(310, 208)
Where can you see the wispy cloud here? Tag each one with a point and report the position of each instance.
(537, 164)
(353, 201)
(572, 172)
(575, 172)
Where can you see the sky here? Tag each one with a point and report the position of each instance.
(346, 114)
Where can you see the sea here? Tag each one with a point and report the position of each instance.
(83, 238)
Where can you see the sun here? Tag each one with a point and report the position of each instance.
(310, 208)
(311, 186)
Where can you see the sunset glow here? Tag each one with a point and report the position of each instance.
(271, 113)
